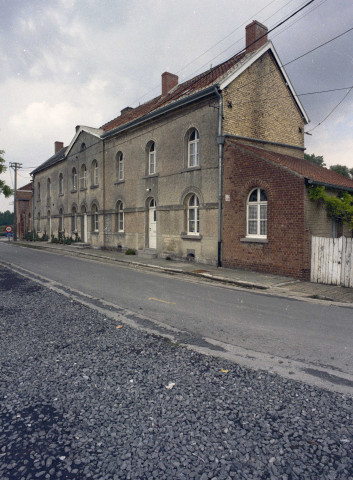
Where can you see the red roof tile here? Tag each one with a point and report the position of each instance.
(196, 84)
(303, 167)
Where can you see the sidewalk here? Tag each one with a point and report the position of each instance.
(275, 284)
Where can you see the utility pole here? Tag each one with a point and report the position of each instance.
(15, 166)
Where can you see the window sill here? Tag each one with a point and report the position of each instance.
(191, 169)
(152, 175)
(185, 236)
(96, 232)
(253, 240)
(74, 190)
(94, 186)
(61, 194)
(119, 182)
(83, 189)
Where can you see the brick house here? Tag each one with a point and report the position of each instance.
(268, 218)
(24, 210)
(172, 176)
(151, 178)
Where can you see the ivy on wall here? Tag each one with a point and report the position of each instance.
(340, 207)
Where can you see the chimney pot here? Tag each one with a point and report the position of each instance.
(58, 146)
(254, 31)
(169, 81)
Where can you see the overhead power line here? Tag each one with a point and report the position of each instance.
(331, 112)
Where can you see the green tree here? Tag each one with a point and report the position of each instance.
(342, 169)
(4, 189)
(6, 218)
(318, 159)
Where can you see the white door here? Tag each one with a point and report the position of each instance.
(85, 228)
(152, 225)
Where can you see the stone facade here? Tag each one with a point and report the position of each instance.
(152, 174)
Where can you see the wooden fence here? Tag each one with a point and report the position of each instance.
(332, 261)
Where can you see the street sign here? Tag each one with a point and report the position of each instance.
(8, 229)
(8, 234)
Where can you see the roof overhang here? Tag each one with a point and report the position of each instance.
(310, 182)
(257, 54)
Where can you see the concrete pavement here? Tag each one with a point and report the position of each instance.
(273, 284)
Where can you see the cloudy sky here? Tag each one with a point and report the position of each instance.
(79, 62)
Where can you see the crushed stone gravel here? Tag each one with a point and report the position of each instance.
(83, 399)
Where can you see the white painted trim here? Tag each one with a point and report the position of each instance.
(77, 134)
(255, 56)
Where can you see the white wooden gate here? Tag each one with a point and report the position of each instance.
(332, 261)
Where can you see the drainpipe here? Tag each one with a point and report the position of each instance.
(220, 141)
(103, 158)
(32, 207)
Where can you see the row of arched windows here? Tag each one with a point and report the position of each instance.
(192, 153)
(256, 215)
(80, 181)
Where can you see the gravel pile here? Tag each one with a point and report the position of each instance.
(85, 397)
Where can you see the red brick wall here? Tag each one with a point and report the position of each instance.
(287, 251)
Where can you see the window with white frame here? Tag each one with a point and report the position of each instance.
(83, 177)
(193, 215)
(74, 179)
(61, 184)
(95, 173)
(152, 159)
(95, 224)
(120, 166)
(61, 220)
(119, 225)
(193, 149)
(256, 213)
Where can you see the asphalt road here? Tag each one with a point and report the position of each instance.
(309, 341)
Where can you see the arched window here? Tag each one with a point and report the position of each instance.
(48, 188)
(74, 219)
(83, 147)
(256, 213)
(119, 218)
(193, 149)
(83, 177)
(152, 159)
(95, 224)
(94, 173)
(61, 184)
(120, 166)
(74, 179)
(61, 220)
(193, 215)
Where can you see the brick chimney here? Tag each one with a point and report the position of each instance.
(254, 31)
(169, 81)
(58, 146)
(125, 110)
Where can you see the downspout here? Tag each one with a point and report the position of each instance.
(104, 232)
(33, 236)
(220, 141)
